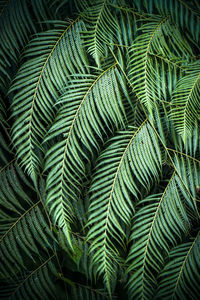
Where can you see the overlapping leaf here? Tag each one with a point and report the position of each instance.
(24, 230)
(143, 77)
(180, 277)
(87, 106)
(133, 157)
(101, 29)
(159, 225)
(185, 100)
(183, 13)
(38, 282)
(55, 55)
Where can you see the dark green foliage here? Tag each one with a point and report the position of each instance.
(99, 149)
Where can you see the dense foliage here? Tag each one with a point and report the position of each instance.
(100, 149)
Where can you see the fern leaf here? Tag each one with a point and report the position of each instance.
(183, 13)
(179, 278)
(162, 216)
(102, 28)
(38, 282)
(188, 170)
(128, 156)
(23, 229)
(155, 38)
(13, 35)
(186, 102)
(37, 84)
(80, 127)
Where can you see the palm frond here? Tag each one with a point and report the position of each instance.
(183, 13)
(99, 149)
(180, 276)
(81, 263)
(158, 225)
(191, 145)
(113, 189)
(155, 38)
(55, 54)
(13, 35)
(102, 27)
(38, 282)
(185, 111)
(188, 170)
(79, 121)
(169, 71)
(24, 230)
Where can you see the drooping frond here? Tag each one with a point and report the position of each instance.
(14, 13)
(55, 55)
(155, 38)
(99, 149)
(169, 71)
(86, 102)
(180, 276)
(158, 225)
(185, 101)
(24, 230)
(188, 170)
(183, 13)
(128, 27)
(102, 27)
(38, 282)
(128, 160)
(192, 143)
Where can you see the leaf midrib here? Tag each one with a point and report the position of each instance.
(30, 275)
(151, 228)
(71, 130)
(187, 103)
(96, 27)
(147, 51)
(111, 193)
(21, 217)
(183, 264)
(117, 172)
(38, 84)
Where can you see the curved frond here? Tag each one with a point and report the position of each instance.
(180, 277)
(13, 35)
(86, 102)
(184, 13)
(127, 161)
(57, 54)
(156, 37)
(102, 27)
(157, 227)
(188, 170)
(37, 283)
(24, 231)
(185, 100)
(99, 149)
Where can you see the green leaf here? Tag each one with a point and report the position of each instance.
(179, 278)
(132, 157)
(185, 111)
(55, 54)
